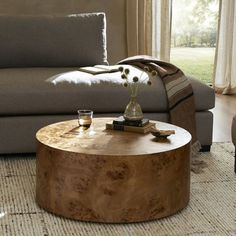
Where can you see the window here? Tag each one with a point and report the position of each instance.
(193, 37)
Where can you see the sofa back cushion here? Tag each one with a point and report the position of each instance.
(53, 41)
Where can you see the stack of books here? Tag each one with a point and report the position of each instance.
(138, 126)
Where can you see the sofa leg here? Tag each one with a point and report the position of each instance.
(205, 148)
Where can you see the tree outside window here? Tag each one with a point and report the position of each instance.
(194, 33)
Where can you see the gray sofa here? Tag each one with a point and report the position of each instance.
(34, 49)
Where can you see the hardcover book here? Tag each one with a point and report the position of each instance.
(145, 129)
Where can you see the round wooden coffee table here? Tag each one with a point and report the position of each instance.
(111, 176)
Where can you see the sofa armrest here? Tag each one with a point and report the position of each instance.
(204, 95)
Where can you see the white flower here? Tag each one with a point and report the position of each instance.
(134, 82)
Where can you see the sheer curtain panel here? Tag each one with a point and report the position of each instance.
(161, 27)
(225, 63)
(139, 27)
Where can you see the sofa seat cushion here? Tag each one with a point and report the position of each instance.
(53, 41)
(55, 91)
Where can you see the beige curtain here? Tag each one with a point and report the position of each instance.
(225, 61)
(139, 27)
(161, 28)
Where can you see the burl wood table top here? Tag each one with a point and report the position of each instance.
(68, 136)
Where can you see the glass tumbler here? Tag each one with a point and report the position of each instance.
(85, 118)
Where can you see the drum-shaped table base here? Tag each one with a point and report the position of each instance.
(125, 187)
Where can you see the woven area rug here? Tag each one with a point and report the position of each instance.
(211, 211)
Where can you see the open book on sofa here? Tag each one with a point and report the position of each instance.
(99, 69)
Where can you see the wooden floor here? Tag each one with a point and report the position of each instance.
(225, 109)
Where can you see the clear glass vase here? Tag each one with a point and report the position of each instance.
(133, 110)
